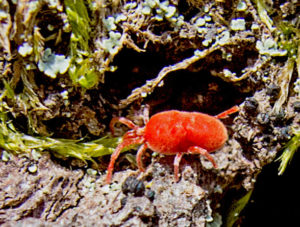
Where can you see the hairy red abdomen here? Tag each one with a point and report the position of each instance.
(171, 132)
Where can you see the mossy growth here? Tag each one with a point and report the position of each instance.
(82, 70)
(13, 141)
(291, 147)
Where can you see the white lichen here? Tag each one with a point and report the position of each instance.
(146, 10)
(242, 6)
(25, 49)
(269, 47)
(223, 37)
(112, 44)
(91, 172)
(120, 17)
(227, 73)
(238, 24)
(200, 22)
(109, 23)
(297, 86)
(254, 27)
(35, 155)
(5, 157)
(32, 168)
(65, 94)
(130, 5)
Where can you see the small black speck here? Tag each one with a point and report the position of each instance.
(123, 202)
(284, 134)
(273, 91)
(134, 186)
(267, 138)
(280, 117)
(150, 195)
(296, 106)
(263, 118)
(251, 105)
(137, 208)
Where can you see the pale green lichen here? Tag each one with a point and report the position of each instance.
(242, 6)
(170, 11)
(52, 64)
(35, 155)
(206, 42)
(119, 18)
(109, 23)
(112, 44)
(162, 10)
(146, 10)
(269, 47)
(207, 18)
(227, 73)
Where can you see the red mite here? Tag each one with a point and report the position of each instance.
(174, 133)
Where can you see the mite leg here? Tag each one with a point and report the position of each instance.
(123, 120)
(199, 150)
(176, 165)
(227, 112)
(116, 154)
(139, 155)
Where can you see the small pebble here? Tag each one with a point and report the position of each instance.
(251, 105)
(273, 90)
(150, 195)
(134, 186)
(123, 202)
(263, 118)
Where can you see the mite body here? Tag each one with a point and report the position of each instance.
(174, 133)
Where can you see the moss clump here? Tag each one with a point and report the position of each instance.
(16, 142)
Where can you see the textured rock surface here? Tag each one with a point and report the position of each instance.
(45, 194)
(190, 58)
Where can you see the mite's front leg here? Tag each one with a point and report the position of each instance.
(199, 150)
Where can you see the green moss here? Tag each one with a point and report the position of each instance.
(82, 70)
(236, 207)
(84, 74)
(289, 38)
(80, 22)
(291, 147)
(263, 14)
(16, 142)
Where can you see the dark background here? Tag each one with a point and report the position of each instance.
(276, 199)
